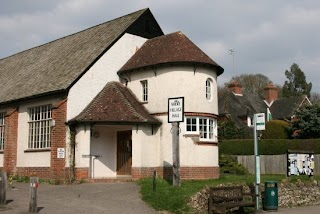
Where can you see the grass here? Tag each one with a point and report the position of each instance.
(174, 200)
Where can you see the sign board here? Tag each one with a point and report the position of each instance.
(300, 164)
(176, 109)
(260, 121)
(60, 153)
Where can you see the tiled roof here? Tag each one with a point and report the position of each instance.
(245, 105)
(55, 66)
(115, 104)
(285, 107)
(171, 48)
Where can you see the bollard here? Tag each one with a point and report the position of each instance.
(154, 181)
(3, 188)
(34, 183)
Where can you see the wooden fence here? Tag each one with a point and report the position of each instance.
(272, 164)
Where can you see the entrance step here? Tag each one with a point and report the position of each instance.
(111, 180)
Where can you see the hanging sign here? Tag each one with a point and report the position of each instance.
(176, 109)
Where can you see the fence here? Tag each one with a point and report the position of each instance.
(272, 164)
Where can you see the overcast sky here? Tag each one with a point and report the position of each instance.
(267, 36)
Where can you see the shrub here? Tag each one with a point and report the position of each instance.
(229, 130)
(228, 164)
(276, 129)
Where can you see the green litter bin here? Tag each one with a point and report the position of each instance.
(271, 196)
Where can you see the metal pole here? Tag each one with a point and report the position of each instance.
(175, 155)
(257, 164)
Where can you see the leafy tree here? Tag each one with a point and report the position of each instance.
(296, 84)
(306, 123)
(252, 83)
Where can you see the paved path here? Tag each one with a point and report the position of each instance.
(95, 198)
(83, 198)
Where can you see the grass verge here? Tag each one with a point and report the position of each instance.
(174, 200)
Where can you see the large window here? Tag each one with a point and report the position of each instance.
(205, 127)
(40, 127)
(208, 89)
(2, 131)
(144, 85)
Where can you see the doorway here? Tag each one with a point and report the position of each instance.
(124, 152)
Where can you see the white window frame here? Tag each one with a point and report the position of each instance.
(209, 89)
(40, 120)
(206, 128)
(2, 130)
(144, 90)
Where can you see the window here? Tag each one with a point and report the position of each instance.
(2, 131)
(205, 127)
(208, 89)
(144, 85)
(40, 127)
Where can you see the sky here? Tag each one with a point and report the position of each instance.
(267, 36)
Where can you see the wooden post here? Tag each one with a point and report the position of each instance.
(33, 205)
(3, 188)
(154, 181)
(175, 155)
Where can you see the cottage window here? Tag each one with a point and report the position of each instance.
(2, 131)
(205, 127)
(208, 89)
(144, 85)
(40, 118)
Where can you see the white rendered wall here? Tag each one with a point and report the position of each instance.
(1, 160)
(82, 146)
(191, 153)
(145, 146)
(176, 81)
(30, 159)
(104, 144)
(102, 72)
(179, 81)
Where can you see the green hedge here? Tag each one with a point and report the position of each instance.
(276, 129)
(268, 146)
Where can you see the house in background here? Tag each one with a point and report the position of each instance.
(93, 105)
(240, 107)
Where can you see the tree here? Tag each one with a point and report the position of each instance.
(306, 123)
(252, 83)
(296, 85)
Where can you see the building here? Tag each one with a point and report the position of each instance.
(240, 107)
(94, 104)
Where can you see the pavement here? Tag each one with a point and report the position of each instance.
(77, 199)
(94, 198)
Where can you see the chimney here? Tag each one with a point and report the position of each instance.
(271, 93)
(236, 88)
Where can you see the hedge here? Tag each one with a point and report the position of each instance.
(268, 146)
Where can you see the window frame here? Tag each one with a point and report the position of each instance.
(39, 127)
(2, 130)
(144, 90)
(207, 124)
(209, 89)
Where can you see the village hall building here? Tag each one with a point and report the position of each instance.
(94, 104)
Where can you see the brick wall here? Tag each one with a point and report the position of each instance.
(186, 173)
(58, 140)
(82, 173)
(42, 172)
(11, 138)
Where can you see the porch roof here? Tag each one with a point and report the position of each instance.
(115, 104)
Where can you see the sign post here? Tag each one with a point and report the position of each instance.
(175, 115)
(259, 124)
